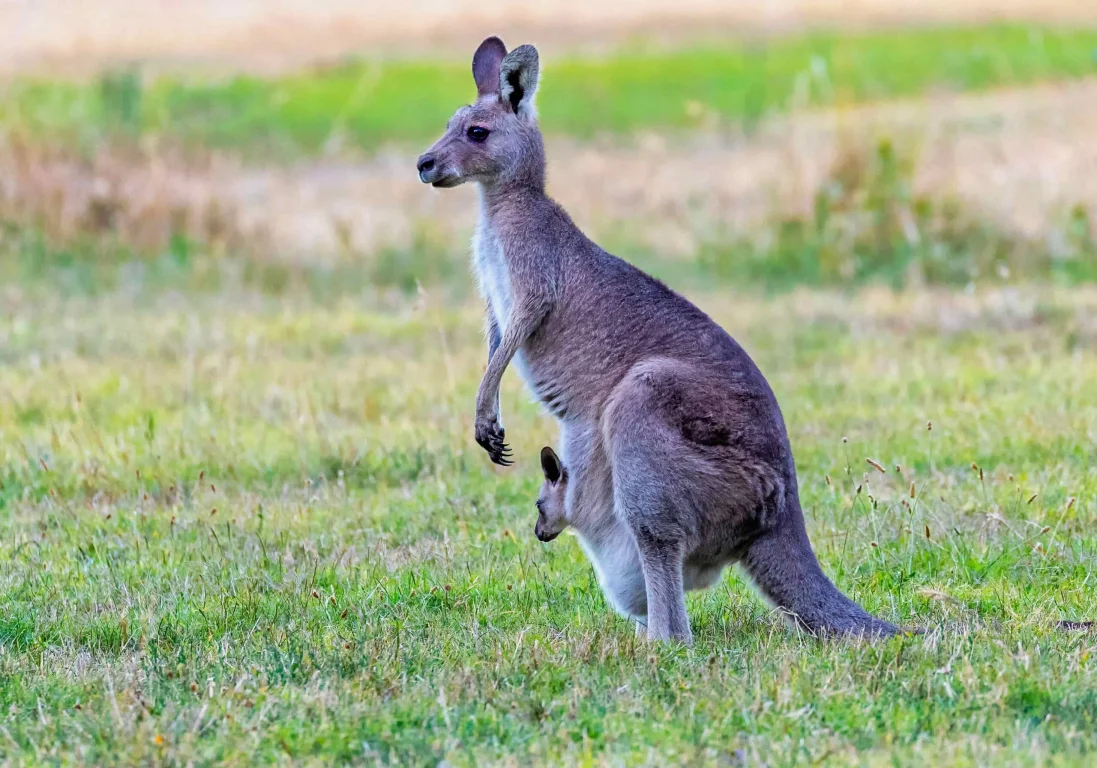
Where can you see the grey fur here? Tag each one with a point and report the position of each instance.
(518, 75)
(677, 458)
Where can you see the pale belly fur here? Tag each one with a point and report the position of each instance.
(494, 280)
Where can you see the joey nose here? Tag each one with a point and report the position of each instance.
(543, 535)
(425, 165)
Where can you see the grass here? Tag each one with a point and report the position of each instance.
(240, 527)
(87, 267)
(243, 519)
(370, 103)
(868, 225)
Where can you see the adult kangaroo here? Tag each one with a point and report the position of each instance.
(674, 446)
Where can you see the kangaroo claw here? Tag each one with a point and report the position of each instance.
(490, 436)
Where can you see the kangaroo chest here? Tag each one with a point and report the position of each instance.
(492, 274)
(494, 278)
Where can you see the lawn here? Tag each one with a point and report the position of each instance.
(243, 518)
(240, 525)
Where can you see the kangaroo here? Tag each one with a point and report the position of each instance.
(675, 448)
(607, 541)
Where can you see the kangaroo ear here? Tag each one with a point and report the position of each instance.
(550, 465)
(485, 65)
(518, 77)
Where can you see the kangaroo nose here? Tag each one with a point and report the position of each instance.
(426, 163)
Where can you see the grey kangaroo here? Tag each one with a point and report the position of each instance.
(675, 450)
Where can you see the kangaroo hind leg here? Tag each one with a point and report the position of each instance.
(655, 518)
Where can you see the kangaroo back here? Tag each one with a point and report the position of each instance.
(783, 566)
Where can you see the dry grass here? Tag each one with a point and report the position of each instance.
(141, 198)
(937, 312)
(276, 34)
(1019, 158)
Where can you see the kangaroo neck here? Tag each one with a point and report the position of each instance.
(511, 199)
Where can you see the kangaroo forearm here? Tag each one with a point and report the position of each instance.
(495, 337)
(488, 395)
(523, 322)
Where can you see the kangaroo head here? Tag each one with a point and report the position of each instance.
(551, 512)
(496, 138)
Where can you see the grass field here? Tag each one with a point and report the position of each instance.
(243, 518)
(238, 522)
(367, 104)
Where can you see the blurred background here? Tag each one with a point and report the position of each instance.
(800, 142)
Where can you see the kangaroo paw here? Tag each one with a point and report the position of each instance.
(490, 435)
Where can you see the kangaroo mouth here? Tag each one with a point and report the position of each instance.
(446, 182)
(546, 537)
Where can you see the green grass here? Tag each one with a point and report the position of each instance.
(243, 518)
(370, 103)
(243, 527)
(89, 266)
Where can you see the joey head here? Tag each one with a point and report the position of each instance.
(551, 513)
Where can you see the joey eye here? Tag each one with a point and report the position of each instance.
(477, 134)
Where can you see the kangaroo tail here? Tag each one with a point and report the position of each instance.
(783, 566)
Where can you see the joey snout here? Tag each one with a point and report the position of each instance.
(543, 530)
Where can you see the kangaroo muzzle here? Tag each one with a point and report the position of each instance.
(435, 170)
(543, 535)
(426, 166)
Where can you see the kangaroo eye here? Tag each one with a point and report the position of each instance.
(478, 134)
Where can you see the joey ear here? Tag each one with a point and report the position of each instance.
(518, 76)
(550, 465)
(485, 65)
